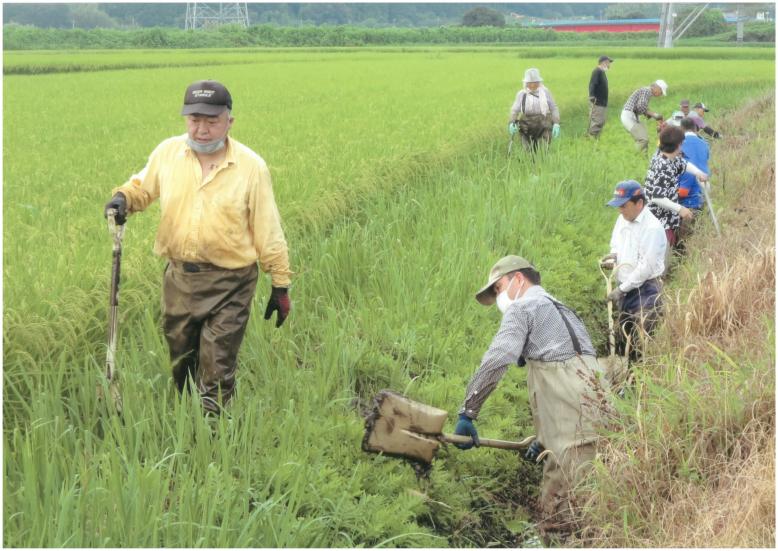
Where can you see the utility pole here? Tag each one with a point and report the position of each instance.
(739, 24)
(662, 18)
(669, 26)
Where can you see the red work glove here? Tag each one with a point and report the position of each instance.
(279, 300)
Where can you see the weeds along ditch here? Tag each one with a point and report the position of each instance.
(692, 461)
(388, 259)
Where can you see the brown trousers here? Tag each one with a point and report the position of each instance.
(206, 309)
(534, 129)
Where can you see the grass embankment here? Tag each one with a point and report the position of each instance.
(692, 463)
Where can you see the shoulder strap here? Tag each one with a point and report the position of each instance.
(573, 337)
(524, 102)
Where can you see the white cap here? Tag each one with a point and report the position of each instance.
(532, 75)
(663, 85)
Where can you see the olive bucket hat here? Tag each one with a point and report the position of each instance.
(505, 265)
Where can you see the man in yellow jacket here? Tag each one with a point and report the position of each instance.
(218, 220)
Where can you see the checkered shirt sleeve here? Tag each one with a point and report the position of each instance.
(531, 328)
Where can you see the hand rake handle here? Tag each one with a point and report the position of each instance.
(710, 209)
(487, 442)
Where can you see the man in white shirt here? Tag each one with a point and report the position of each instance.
(637, 253)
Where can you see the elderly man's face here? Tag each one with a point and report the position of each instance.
(204, 129)
(656, 90)
(533, 86)
(685, 109)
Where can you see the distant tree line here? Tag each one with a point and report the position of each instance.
(483, 17)
(22, 37)
(119, 15)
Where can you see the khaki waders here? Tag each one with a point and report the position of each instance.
(565, 400)
(596, 119)
(206, 309)
(636, 128)
(533, 129)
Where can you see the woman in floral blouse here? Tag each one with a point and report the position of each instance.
(661, 185)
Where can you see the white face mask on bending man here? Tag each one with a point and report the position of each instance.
(504, 299)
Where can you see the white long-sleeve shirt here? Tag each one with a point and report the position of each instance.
(640, 249)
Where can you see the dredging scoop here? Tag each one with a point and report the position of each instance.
(401, 427)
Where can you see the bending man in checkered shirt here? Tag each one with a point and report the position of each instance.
(563, 381)
(637, 105)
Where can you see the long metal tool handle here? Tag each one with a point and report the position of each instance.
(117, 233)
(487, 442)
(611, 331)
(710, 209)
(608, 289)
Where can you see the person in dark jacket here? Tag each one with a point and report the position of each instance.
(598, 96)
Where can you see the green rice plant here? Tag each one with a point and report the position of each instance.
(32, 62)
(397, 197)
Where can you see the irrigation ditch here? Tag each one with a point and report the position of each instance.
(471, 204)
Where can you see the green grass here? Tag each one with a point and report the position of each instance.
(391, 176)
(47, 61)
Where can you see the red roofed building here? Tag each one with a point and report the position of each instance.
(608, 25)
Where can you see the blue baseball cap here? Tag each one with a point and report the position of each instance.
(625, 191)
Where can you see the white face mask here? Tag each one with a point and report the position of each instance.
(504, 301)
(206, 148)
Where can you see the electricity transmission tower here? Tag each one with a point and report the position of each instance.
(202, 15)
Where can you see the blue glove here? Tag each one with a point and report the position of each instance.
(534, 450)
(512, 128)
(465, 427)
(555, 130)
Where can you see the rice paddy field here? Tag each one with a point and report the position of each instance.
(391, 175)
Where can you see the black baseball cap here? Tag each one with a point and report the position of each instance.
(604, 58)
(701, 106)
(206, 97)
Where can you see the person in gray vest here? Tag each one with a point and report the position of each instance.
(534, 114)
(563, 379)
(598, 96)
